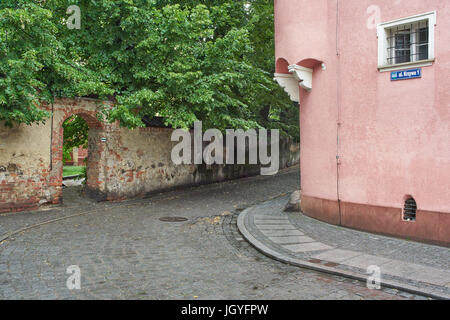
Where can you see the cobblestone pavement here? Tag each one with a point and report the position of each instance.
(124, 251)
(294, 238)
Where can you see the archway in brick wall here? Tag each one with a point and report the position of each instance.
(95, 158)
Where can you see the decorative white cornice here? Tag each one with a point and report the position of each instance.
(303, 75)
(290, 84)
(298, 76)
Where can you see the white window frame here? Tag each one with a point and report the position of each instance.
(383, 44)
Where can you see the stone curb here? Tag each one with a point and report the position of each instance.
(72, 177)
(260, 246)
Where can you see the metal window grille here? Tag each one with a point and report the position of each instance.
(408, 43)
(410, 209)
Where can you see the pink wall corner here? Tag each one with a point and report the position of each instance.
(395, 136)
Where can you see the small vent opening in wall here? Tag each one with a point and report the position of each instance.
(409, 210)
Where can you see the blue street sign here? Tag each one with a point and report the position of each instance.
(406, 74)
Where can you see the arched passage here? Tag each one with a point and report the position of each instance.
(95, 147)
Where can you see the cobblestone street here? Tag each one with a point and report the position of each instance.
(124, 251)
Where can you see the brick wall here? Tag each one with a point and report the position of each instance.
(139, 163)
(122, 163)
(31, 157)
(24, 167)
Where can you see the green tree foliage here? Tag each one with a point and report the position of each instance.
(184, 60)
(75, 135)
(34, 63)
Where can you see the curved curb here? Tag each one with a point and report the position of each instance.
(260, 246)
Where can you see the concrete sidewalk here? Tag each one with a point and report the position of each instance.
(302, 241)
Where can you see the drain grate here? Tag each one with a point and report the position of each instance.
(173, 219)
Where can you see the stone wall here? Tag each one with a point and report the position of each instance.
(138, 162)
(31, 156)
(122, 163)
(24, 167)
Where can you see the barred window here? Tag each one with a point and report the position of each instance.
(410, 209)
(408, 43)
(407, 40)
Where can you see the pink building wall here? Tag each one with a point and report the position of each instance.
(394, 136)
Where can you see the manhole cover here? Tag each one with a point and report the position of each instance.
(173, 219)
